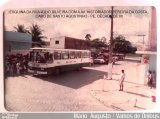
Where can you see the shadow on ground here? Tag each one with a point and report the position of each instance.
(117, 64)
(75, 79)
(132, 60)
(138, 94)
(98, 65)
(140, 107)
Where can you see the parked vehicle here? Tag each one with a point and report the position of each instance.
(118, 56)
(100, 60)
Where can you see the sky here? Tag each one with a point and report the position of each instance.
(128, 24)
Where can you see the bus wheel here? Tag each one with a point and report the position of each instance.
(57, 71)
(91, 64)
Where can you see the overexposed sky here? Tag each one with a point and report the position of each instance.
(130, 25)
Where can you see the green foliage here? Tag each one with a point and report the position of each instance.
(88, 37)
(20, 28)
(121, 45)
(35, 31)
(97, 43)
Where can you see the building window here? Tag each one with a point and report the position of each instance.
(56, 42)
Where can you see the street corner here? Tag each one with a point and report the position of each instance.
(134, 97)
(112, 99)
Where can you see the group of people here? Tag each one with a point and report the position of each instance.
(16, 64)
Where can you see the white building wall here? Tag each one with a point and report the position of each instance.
(152, 39)
(143, 73)
(60, 42)
(151, 65)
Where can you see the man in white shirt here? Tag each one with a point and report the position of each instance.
(121, 80)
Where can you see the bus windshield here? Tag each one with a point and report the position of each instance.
(41, 57)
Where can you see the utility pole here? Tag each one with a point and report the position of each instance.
(110, 47)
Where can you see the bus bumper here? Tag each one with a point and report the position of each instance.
(30, 71)
(37, 72)
(40, 72)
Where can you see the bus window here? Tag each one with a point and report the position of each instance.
(77, 54)
(46, 56)
(31, 56)
(57, 55)
(72, 55)
(82, 54)
(65, 55)
(41, 57)
(51, 57)
(87, 54)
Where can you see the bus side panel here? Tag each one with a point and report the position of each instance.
(63, 68)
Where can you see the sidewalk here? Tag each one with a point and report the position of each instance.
(136, 96)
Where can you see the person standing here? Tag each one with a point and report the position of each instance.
(150, 79)
(7, 68)
(18, 68)
(12, 69)
(122, 78)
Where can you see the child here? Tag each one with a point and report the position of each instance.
(121, 80)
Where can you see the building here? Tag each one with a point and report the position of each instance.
(148, 62)
(149, 56)
(15, 42)
(152, 42)
(64, 42)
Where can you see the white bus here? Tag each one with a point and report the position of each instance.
(49, 60)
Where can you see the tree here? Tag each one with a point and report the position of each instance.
(121, 45)
(37, 36)
(97, 43)
(103, 39)
(20, 28)
(88, 37)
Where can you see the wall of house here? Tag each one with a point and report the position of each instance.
(150, 65)
(153, 66)
(153, 62)
(12, 45)
(57, 42)
(17, 41)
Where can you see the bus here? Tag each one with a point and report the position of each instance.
(53, 61)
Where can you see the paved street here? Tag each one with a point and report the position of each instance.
(84, 90)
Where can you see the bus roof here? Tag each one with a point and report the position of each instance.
(38, 48)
